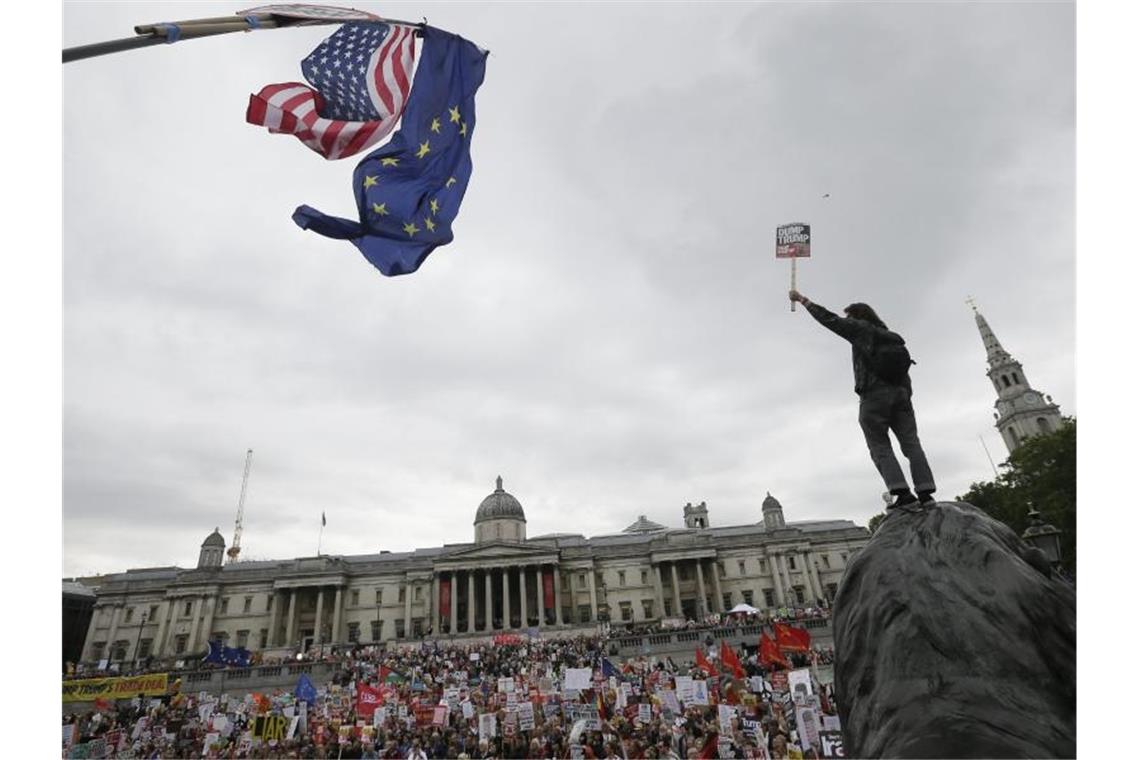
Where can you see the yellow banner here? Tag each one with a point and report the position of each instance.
(125, 687)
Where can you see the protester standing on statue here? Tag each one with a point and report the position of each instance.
(882, 381)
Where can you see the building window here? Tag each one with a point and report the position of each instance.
(186, 610)
(581, 580)
(119, 650)
(1016, 379)
(626, 611)
(419, 593)
(144, 649)
(831, 589)
(647, 608)
(417, 627)
(742, 567)
(668, 608)
(354, 598)
(720, 569)
(130, 614)
(222, 637)
(826, 559)
(764, 566)
(153, 612)
(1043, 424)
(399, 629)
(225, 605)
(403, 593)
(843, 558)
(1005, 380)
(726, 600)
(378, 627)
(644, 577)
(621, 577)
(242, 639)
(380, 596)
(263, 638)
(247, 604)
(799, 594)
(769, 598)
(791, 563)
(747, 594)
(584, 613)
(97, 650)
(354, 632)
(180, 643)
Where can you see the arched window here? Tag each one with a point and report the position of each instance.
(1043, 424)
(1012, 437)
(1005, 380)
(1015, 378)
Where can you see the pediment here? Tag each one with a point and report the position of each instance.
(499, 550)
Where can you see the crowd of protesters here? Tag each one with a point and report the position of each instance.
(433, 701)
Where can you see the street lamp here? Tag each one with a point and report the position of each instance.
(138, 639)
(1043, 536)
(376, 635)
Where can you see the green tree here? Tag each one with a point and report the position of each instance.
(1042, 471)
(875, 521)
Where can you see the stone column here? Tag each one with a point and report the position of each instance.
(116, 613)
(719, 606)
(778, 572)
(658, 594)
(163, 616)
(319, 628)
(506, 571)
(703, 605)
(408, 584)
(454, 603)
(274, 618)
(573, 596)
(522, 597)
(676, 591)
(96, 612)
(488, 618)
(557, 572)
(435, 630)
(338, 612)
(291, 620)
(809, 580)
(211, 605)
(539, 596)
(593, 595)
(820, 590)
(470, 601)
(192, 640)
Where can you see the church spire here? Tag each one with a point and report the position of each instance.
(995, 354)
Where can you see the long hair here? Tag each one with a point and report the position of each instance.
(862, 311)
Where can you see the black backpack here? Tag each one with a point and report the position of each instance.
(889, 359)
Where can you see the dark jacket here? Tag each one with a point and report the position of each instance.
(862, 336)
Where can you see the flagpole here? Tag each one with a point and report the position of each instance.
(320, 536)
(171, 32)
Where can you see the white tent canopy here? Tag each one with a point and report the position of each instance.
(743, 608)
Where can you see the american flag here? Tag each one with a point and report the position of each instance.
(360, 79)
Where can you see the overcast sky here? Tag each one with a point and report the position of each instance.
(610, 329)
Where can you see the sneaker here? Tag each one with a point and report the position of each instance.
(903, 500)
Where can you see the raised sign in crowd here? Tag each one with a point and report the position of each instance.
(518, 697)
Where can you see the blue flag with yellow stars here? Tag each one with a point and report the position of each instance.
(408, 191)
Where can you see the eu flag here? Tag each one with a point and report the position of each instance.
(305, 691)
(408, 191)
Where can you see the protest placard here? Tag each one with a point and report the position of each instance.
(468, 709)
(401, 711)
(488, 727)
(799, 680)
(270, 728)
(577, 679)
(830, 723)
(208, 743)
(671, 702)
(831, 743)
(684, 688)
(756, 684)
(550, 709)
(725, 714)
(526, 716)
(245, 743)
(644, 713)
(699, 694)
(506, 685)
(724, 749)
(439, 716)
(808, 727)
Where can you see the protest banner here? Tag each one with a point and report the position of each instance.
(126, 687)
(293, 723)
(577, 679)
(70, 731)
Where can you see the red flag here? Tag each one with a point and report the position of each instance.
(102, 704)
(770, 653)
(367, 700)
(792, 639)
(730, 660)
(709, 751)
(704, 664)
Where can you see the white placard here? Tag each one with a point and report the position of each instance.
(684, 688)
(507, 685)
(577, 678)
(488, 727)
(526, 716)
(725, 714)
(831, 723)
(800, 680)
(645, 713)
(468, 709)
(700, 694)
(807, 726)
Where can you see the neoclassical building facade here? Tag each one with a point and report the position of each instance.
(502, 581)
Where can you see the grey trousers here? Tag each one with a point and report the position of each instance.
(888, 407)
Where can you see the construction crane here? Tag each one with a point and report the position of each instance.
(235, 547)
